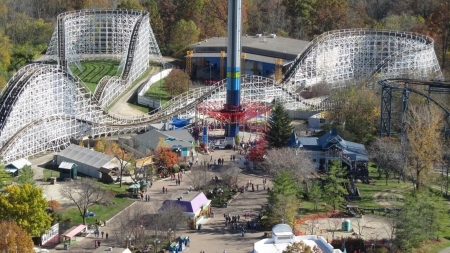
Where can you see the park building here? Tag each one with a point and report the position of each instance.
(282, 236)
(261, 55)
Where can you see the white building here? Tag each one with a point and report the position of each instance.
(282, 236)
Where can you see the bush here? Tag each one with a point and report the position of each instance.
(183, 166)
(175, 170)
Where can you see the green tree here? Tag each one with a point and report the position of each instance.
(419, 220)
(284, 199)
(130, 4)
(315, 194)
(25, 205)
(184, 34)
(333, 184)
(356, 107)
(4, 176)
(26, 175)
(156, 22)
(279, 128)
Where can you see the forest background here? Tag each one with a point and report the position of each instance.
(26, 26)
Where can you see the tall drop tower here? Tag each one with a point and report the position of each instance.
(233, 103)
(233, 113)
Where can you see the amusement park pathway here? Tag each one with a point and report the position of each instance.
(214, 236)
(121, 106)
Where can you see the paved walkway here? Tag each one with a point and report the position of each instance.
(214, 236)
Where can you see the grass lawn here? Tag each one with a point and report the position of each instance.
(93, 71)
(158, 91)
(50, 173)
(307, 208)
(101, 212)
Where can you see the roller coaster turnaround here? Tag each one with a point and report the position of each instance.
(45, 106)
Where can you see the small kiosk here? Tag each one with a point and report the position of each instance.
(68, 170)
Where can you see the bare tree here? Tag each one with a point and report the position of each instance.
(296, 161)
(390, 228)
(230, 175)
(333, 225)
(133, 225)
(85, 193)
(386, 152)
(360, 223)
(173, 217)
(199, 177)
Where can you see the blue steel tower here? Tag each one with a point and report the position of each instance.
(233, 102)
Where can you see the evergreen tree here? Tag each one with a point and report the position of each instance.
(334, 190)
(284, 199)
(280, 128)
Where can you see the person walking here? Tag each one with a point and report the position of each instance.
(164, 189)
(102, 234)
(106, 236)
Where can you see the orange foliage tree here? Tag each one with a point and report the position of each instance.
(166, 157)
(14, 239)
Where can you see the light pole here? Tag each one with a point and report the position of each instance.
(128, 241)
(156, 242)
(169, 233)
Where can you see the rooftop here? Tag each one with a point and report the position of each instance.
(263, 49)
(269, 246)
(85, 156)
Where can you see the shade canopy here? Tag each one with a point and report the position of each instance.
(134, 186)
(75, 231)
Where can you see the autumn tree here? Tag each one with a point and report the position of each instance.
(329, 15)
(279, 128)
(298, 247)
(333, 184)
(54, 205)
(166, 157)
(257, 153)
(25, 205)
(386, 153)
(85, 193)
(229, 175)
(100, 145)
(439, 26)
(14, 238)
(177, 82)
(123, 157)
(424, 141)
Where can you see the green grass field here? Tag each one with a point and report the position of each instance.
(158, 91)
(101, 212)
(93, 71)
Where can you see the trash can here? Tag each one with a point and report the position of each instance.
(212, 214)
(199, 226)
(66, 247)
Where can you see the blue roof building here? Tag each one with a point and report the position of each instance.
(331, 146)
